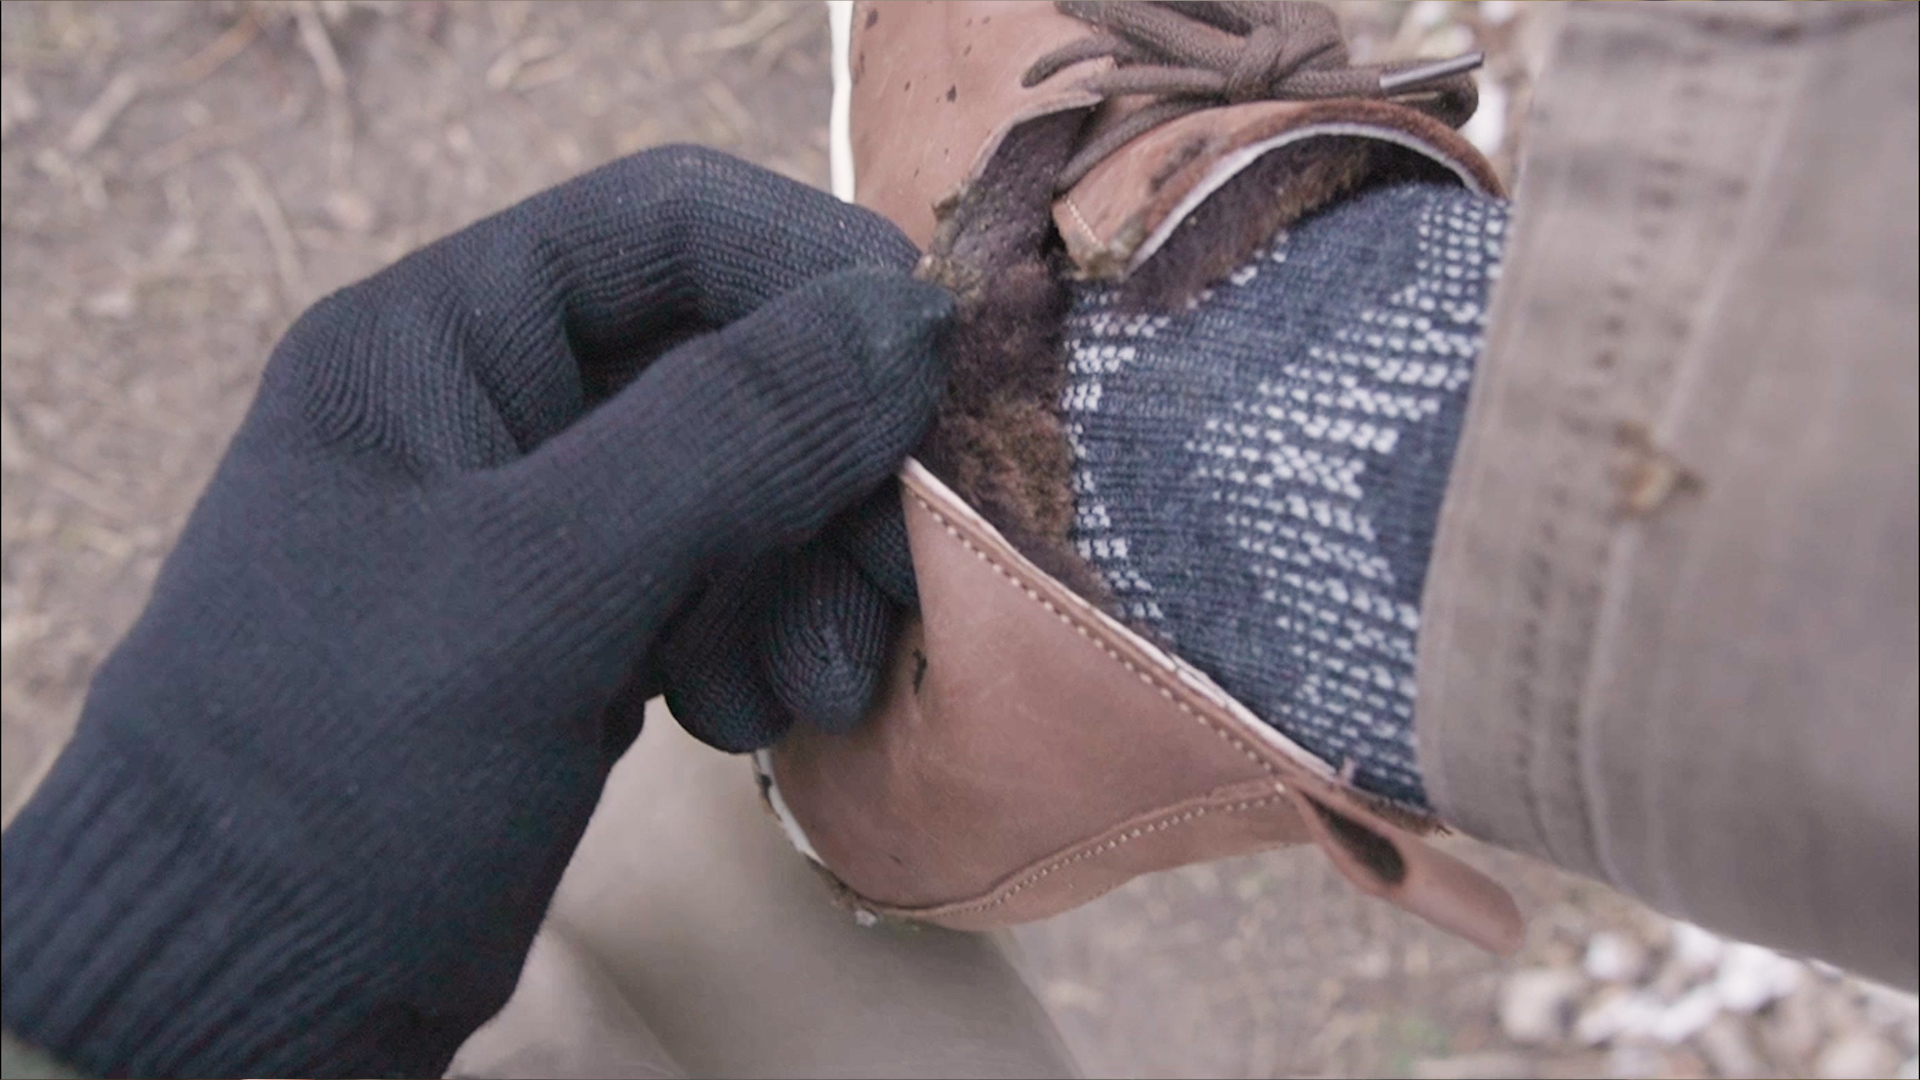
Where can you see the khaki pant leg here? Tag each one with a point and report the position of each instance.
(1669, 633)
(689, 938)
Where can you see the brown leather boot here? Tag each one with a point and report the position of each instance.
(1031, 751)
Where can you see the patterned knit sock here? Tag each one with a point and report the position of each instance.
(1258, 477)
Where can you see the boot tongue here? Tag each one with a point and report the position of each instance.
(1266, 163)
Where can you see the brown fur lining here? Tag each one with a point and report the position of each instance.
(997, 439)
(1279, 189)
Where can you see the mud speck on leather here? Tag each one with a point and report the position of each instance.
(179, 180)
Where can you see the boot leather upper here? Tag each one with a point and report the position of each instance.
(1029, 752)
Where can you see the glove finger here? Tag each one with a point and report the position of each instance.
(549, 305)
(874, 535)
(732, 445)
(824, 643)
(714, 684)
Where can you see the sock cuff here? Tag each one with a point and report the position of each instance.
(1258, 475)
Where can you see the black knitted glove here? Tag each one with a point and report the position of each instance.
(794, 635)
(321, 795)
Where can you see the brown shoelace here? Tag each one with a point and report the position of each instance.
(1192, 56)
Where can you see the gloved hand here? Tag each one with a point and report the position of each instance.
(321, 795)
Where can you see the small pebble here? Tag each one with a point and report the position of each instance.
(1617, 1013)
(115, 304)
(1857, 1055)
(1534, 1004)
(1695, 949)
(351, 211)
(1888, 1007)
(1614, 957)
(1684, 1019)
(1376, 964)
(1728, 1049)
(1751, 976)
(1791, 1028)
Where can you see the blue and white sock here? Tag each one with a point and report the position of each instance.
(1258, 477)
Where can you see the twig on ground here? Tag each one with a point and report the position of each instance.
(768, 51)
(653, 56)
(81, 488)
(552, 70)
(215, 55)
(728, 108)
(17, 103)
(769, 18)
(520, 54)
(273, 221)
(98, 118)
(333, 79)
(313, 37)
(189, 147)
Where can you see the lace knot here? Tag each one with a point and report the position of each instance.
(1258, 65)
(1193, 56)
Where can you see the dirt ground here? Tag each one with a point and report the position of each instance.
(180, 180)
